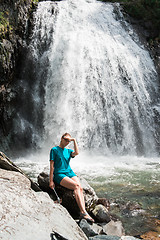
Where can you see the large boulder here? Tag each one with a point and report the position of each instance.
(7, 164)
(67, 196)
(26, 214)
(114, 228)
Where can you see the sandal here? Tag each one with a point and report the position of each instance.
(86, 217)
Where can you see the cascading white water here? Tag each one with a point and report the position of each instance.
(101, 81)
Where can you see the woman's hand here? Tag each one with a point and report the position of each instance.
(68, 138)
(52, 185)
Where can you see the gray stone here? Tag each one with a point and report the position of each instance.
(26, 214)
(114, 228)
(101, 214)
(97, 228)
(7, 164)
(104, 237)
(87, 228)
(128, 238)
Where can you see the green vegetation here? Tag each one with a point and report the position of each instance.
(35, 1)
(144, 9)
(4, 23)
(147, 11)
(8, 21)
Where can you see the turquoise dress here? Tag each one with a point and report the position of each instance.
(61, 158)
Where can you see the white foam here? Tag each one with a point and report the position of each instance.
(91, 166)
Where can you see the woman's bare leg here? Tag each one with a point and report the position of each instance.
(81, 190)
(74, 185)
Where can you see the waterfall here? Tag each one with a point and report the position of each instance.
(100, 82)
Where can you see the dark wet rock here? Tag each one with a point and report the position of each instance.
(43, 181)
(101, 214)
(87, 228)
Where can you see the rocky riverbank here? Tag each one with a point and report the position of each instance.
(35, 214)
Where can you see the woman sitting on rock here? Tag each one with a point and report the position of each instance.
(61, 172)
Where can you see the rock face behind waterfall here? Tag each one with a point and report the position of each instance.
(15, 22)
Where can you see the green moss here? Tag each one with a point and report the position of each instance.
(7, 20)
(35, 2)
(4, 20)
(5, 26)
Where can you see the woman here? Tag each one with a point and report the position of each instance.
(61, 172)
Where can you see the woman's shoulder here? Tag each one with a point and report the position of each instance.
(55, 149)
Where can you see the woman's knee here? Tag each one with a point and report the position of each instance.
(78, 187)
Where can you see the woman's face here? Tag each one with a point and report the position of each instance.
(65, 140)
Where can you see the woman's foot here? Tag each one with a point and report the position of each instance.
(86, 217)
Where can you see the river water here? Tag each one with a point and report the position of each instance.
(99, 84)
